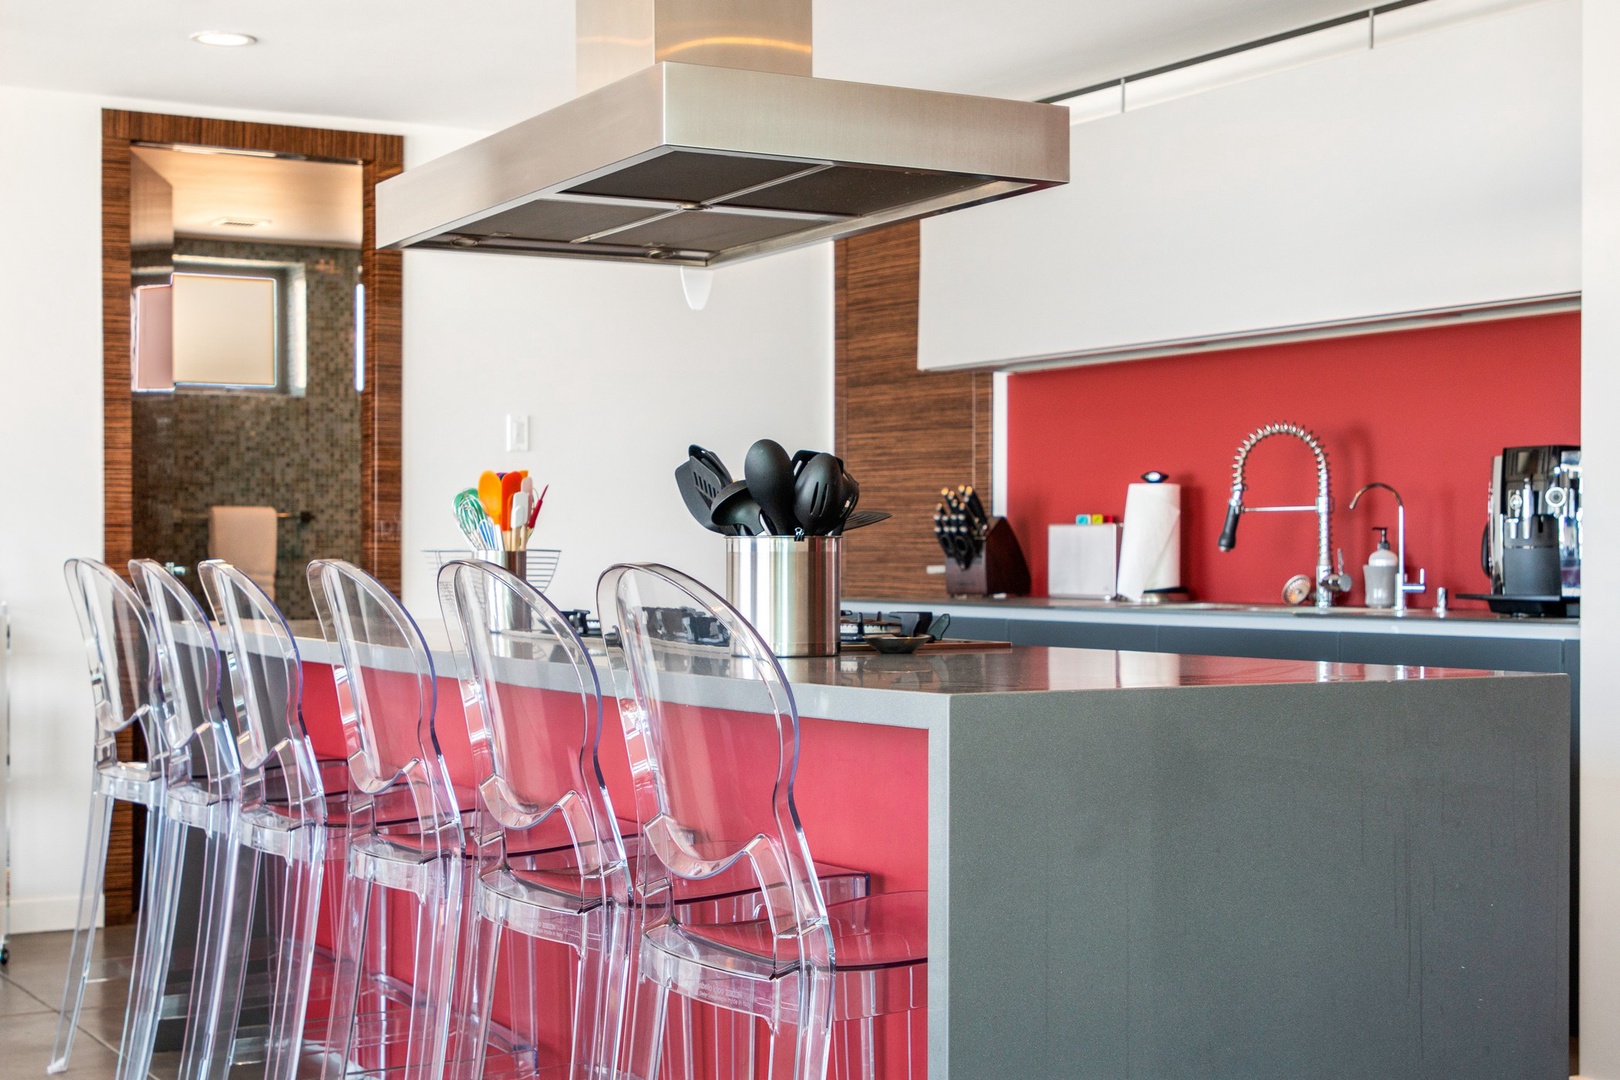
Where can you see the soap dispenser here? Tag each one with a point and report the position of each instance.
(1379, 574)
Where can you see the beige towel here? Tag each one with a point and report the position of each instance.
(245, 537)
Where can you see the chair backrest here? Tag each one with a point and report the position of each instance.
(384, 678)
(122, 656)
(713, 735)
(191, 714)
(534, 714)
(265, 679)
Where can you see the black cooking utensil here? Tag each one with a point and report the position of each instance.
(735, 510)
(862, 518)
(698, 490)
(712, 461)
(768, 471)
(819, 495)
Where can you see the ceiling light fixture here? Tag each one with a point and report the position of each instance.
(225, 150)
(225, 39)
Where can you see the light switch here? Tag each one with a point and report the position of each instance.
(517, 432)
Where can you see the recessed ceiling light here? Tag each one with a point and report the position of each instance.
(226, 39)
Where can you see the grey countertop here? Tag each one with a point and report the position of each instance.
(917, 690)
(1217, 616)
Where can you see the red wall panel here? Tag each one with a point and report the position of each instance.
(1423, 410)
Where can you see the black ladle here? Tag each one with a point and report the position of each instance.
(768, 472)
(735, 511)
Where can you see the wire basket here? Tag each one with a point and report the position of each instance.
(541, 569)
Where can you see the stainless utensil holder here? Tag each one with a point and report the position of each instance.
(504, 612)
(788, 589)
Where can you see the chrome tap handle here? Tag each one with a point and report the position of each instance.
(1418, 586)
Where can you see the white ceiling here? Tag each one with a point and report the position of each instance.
(308, 202)
(486, 63)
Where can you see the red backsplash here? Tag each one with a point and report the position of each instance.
(1422, 410)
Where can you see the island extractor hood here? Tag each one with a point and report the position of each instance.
(699, 137)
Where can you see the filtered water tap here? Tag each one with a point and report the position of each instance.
(1328, 581)
(1402, 587)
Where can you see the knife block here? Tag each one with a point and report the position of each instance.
(999, 567)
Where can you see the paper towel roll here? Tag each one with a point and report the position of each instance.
(1150, 550)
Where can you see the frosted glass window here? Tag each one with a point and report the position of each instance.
(225, 330)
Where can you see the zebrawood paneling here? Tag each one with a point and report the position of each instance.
(380, 156)
(380, 421)
(903, 433)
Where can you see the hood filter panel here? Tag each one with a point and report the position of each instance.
(689, 176)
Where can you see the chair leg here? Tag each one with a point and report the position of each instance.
(84, 930)
(485, 949)
(348, 951)
(812, 1038)
(656, 1034)
(294, 956)
(601, 986)
(154, 942)
(223, 928)
(864, 1060)
(437, 927)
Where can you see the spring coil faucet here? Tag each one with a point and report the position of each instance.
(1328, 583)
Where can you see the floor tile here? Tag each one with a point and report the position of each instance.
(39, 964)
(15, 1001)
(25, 1050)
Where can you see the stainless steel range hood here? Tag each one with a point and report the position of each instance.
(734, 155)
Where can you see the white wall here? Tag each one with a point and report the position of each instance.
(50, 476)
(483, 336)
(1431, 172)
(618, 377)
(1600, 614)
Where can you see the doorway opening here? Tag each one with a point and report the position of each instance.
(251, 360)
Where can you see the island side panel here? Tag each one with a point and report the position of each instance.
(1365, 879)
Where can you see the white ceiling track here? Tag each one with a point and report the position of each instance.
(1370, 29)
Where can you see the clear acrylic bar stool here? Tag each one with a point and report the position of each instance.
(404, 830)
(124, 691)
(551, 859)
(554, 845)
(281, 830)
(202, 792)
(713, 735)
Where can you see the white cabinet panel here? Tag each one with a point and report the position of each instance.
(1439, 171)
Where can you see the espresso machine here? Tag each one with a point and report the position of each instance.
(1531, 549)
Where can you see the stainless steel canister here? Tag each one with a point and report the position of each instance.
(505, 613)
(788, 589)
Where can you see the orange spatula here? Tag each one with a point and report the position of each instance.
(511, 484)
(489, 495)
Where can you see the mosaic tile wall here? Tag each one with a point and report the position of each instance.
(195, 449)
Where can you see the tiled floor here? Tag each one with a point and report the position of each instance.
(31, 992)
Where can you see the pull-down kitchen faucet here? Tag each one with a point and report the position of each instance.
(1328, 583)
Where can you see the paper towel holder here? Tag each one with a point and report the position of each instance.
(998, 568)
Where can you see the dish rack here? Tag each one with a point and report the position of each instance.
(542, 564)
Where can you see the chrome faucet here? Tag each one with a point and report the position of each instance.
(1402, 589)
(1328, 582)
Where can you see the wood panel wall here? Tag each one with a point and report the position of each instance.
(902, 433)
(380, 156)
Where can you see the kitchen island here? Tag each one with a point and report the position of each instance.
(1152, 864)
